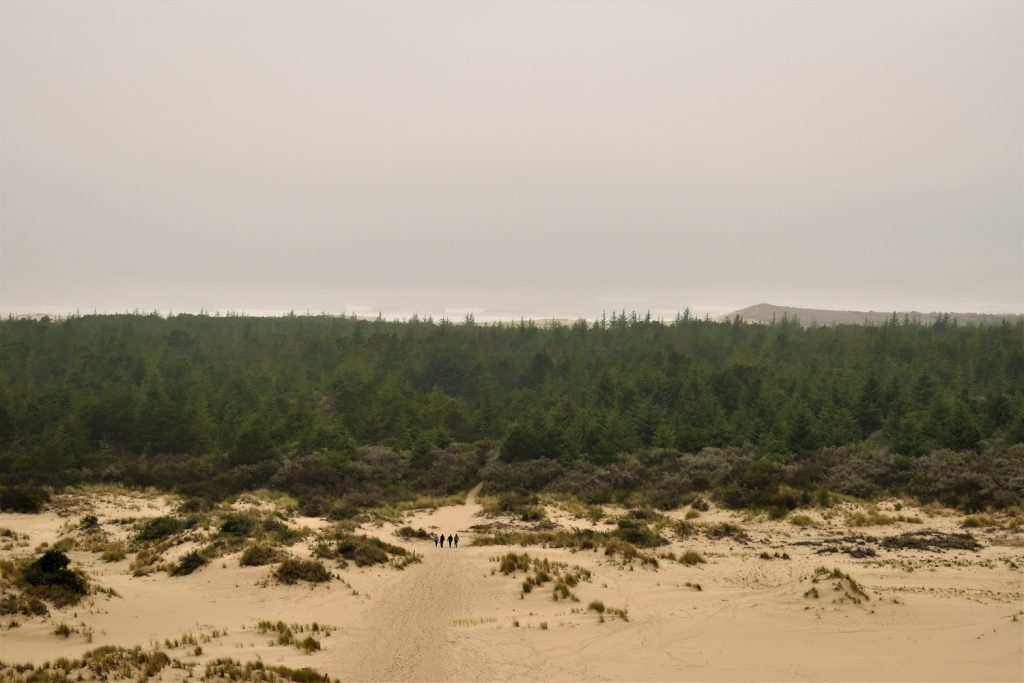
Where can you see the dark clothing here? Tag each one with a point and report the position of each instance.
(449, 540)
(456, 540)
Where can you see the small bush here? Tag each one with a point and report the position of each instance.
(532, 514)
(596, 606)
(802, 521)
(979, 521)
(24, 499)
(50, 571)
(293, 570)
(113, 552)
(160, 527)
(238, 524)
(409, 532)
(511, 563)
(258, 555)
(691, 558)
(366, 550)
(188, 563)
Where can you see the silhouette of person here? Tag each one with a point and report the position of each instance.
(449, 540)
(456, 540)
(442, 540)
(435, 540)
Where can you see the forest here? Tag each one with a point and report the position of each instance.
(339, 411)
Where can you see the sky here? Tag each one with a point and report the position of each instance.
(511, 159)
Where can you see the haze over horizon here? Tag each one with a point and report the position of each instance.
(538, 160)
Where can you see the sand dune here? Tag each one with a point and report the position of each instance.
(925, 615)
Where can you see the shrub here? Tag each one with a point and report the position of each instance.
(188, 563)
(238, 524)
(409, 532)
(802, 521)
(638, 534)
(113, 552)
(366, 550)
(691, 558)
(258, 555)
(511, 563)
(978, 521)
(25, 499)
(50, 569)
(293, 570)
(596, 606)
(161, 527)
(532, 514)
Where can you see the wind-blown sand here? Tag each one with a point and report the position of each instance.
(931, 616)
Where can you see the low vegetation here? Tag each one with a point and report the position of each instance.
(363, 550)
(576, 540)
(602, 610)
(108, 662)
(228, 669)
(293, 570)
(257, 555)
(541, 571)
(188, 563)
(302, 637)
(27, 586)
(843, 584)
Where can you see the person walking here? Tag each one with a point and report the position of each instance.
(442, 540)
(435, 540)
(456, 540)
(449, 540)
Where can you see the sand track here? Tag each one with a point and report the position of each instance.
(405, 635)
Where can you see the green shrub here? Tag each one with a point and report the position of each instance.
(258, 555)
(50, 569)
(367, 550)
(24, 499)
(293, 570)
(639, 534)
(409, 532)
(158, 528)
(238, 524)
(188, 563)
(510, 563)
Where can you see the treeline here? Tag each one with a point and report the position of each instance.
(324, 406)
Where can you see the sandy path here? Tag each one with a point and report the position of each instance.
(405, 636)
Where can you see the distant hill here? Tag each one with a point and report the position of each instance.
(765, 313)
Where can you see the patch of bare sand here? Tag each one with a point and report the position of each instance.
(928, 616)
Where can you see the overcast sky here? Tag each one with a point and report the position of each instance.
(525, 158)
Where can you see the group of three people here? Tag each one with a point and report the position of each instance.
(453, 541)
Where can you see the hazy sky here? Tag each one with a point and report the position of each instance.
(534, 158)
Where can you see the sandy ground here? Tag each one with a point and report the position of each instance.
(931, 616)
